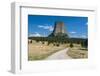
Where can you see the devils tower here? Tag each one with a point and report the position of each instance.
(59, 30)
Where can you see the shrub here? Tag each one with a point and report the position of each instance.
(54, 44)
(71, 45)
(57, 45)
(43, 42)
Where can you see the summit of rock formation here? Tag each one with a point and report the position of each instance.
(59, 30)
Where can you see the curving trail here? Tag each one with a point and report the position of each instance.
(59, 55)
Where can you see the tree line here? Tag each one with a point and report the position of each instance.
(61, 40)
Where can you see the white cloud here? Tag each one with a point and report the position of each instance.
(78, 36)
(73, 32)
(47, 27)
(87, 23)
(84, 36)
(36, 34)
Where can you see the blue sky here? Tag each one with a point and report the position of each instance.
(43, 25)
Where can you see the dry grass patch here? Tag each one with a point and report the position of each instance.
(39, 51)
(77, 53)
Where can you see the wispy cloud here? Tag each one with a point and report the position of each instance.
(36, 34)
(78, 35)
(87, 23)
(83, 36)
(72, 32)
(46, 27)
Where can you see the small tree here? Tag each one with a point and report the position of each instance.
(71, 45)
(43, 42)
(37, 40)
(84, 44)
(48, 43)
(57, 44)
(53, 44)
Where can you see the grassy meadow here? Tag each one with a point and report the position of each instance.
(41, 50)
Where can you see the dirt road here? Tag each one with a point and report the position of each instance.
(59, 55)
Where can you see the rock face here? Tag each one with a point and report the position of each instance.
(59, 30)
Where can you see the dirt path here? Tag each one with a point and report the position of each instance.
(59, 55)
